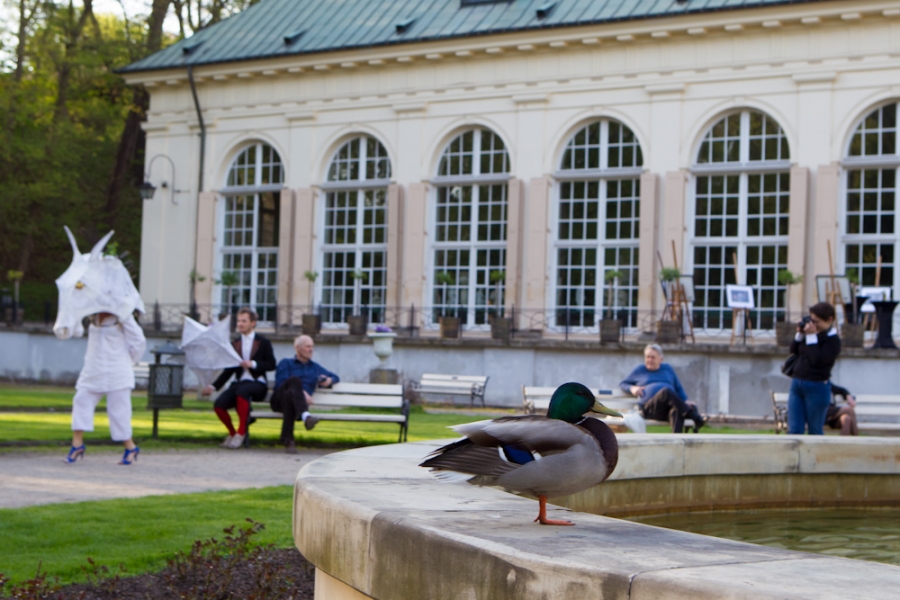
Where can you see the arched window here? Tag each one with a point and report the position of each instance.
(354, 268)
(870, 210)
(470, 228)
(597, 215)
(741, 201)
(249, 250)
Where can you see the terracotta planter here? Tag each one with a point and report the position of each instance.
(610, 330)
(852, 335)
(668, 332)
(450, 327)
(358, 324)
(312, 324)
(501, 327)
(784, 333)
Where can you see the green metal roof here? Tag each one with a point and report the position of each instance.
(281, 28)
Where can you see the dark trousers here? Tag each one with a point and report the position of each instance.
(289, 400)
(666, 405)
(252, 391)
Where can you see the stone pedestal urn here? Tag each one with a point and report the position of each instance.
(382, 344)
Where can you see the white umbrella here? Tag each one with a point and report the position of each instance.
(208, 349)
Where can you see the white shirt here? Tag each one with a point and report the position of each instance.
(112, 350)
(246, 349)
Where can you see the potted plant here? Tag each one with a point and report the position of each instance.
(195, 278)
(16, 313)
(358, 322)
(312, 322)
(852, 332)
(668, 331)
(784, 331)
(610, 327)
(501, 326)
(229, 279)
(450, 325)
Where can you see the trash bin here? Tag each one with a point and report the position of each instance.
(165, 384)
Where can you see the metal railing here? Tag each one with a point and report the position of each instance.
(412, 321)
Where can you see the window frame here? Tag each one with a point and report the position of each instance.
(358, 187)
(601, 244)
(743, 242)
(478, 181)
(258, 254)
(879, 162)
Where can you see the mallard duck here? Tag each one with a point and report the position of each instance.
(557, 455)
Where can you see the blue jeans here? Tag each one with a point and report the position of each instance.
(807, 406)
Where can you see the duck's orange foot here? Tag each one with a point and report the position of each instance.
(542, 514)
(546, 521)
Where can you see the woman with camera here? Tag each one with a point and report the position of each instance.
(817, 346)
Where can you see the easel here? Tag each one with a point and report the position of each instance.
(833, 295)
(739, 315)
(678, 308)
(872, 325)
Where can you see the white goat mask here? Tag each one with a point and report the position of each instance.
(93, 283)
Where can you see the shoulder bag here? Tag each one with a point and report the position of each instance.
(787, 367)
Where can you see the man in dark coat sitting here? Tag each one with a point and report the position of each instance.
(250, 384)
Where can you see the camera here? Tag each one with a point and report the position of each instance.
(803, 322)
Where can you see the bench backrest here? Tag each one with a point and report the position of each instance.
(536, 398)
(437, 378)
(372, 395)
(885, 405)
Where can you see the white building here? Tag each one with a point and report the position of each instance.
(430, 144)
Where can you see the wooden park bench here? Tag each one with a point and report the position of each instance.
(352, 395)
(536, 400)
(874, 412)
(453, 385)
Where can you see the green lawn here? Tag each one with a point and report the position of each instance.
(42, 414)
(32, 414)
(140, 533)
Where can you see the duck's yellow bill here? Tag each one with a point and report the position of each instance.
(603, 410)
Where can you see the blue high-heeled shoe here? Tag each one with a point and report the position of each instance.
(75, 453)
(130, 456)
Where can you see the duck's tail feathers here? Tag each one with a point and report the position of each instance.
(467, 458)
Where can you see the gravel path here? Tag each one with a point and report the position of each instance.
(33, 478)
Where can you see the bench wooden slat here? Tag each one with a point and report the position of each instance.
(450, 386)
(466, 378)
(354, 400)
(374, 418)
(369, 389)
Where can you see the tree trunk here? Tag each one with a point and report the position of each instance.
(132, 134)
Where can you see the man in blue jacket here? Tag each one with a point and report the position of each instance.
(296, 380)
(662, 398)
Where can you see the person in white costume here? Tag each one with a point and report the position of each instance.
(112, 349)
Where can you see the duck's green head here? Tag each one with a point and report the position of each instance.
(571, 400)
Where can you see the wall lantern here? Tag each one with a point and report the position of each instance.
(147, 189)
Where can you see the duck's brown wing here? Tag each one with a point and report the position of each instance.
(465, 457)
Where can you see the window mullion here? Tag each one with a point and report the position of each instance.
(744, 147)
(363, 149)
(743, 206)
(600, 242)
(604, 144)
(476, 152)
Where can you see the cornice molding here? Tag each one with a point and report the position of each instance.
(563, 39)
